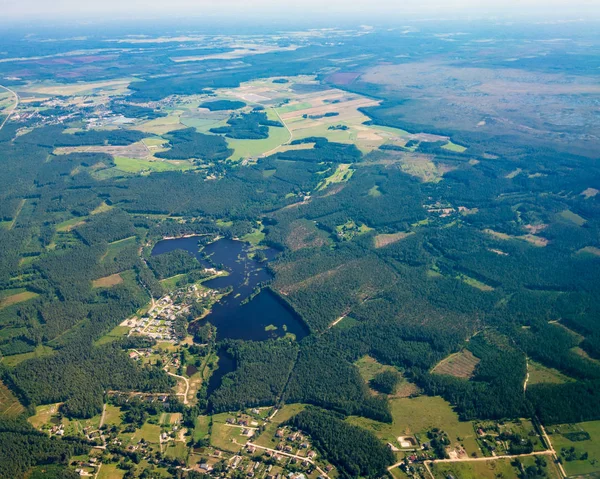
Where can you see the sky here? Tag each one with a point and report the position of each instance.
(302, 9)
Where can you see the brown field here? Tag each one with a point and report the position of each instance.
(107, 281)
(9, 404)
(135, 150)
(17, 298)
(387, 239)
(459, 365)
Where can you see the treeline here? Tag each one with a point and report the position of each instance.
(323, 150)
(496, 389)
(323, 377)
(188, 143)
(78, 375)
(249, 126)
(355, 452)
(566, 403)
(22, 447)
(220, 105)
(261, 374)
(172, 263)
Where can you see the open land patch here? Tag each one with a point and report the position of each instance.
(416, 416)
(382, 240)
(584, 438)
(107, 281)
(9, 404)
(17, 298)
(459, 365)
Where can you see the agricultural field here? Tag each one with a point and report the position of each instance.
(16, 298)
(9, 404)
(385, 239)
(416, 416)
(459, 365)
(493, 469)
(578, 445)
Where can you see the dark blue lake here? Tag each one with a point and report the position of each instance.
(264, 316)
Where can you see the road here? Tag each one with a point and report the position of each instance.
(15, 105)
(270, 152)
(275, 451)
(527, 376)
(187, 385)
(549, 452)
(551, 448)
(103, 417)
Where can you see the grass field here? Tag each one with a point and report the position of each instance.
(9, 404)
(43, 414)
(112, 415)
(454, 147)
(226, 437)
(590, 446)
(107, 281)
(110, 471)
(538, 373)
(39, 352)
(254, 148)
(68, 225)
(117, 333)
(202, 428)
(500, 468)
(572, 217)
(416, 416)
(342, 174)
(135, 165)
(177, 450)
(459, 365)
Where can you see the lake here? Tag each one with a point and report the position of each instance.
(264, 316)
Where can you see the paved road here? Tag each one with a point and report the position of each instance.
(13, 108)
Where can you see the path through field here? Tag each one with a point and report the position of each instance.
(13, 108)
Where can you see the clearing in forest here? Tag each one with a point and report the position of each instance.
(107, 281)
(386, 239)
(459, 365)
(9, 404)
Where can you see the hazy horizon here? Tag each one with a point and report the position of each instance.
(367, 10)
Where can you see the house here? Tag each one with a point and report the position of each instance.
(279, 433)
(251, 449)
(311, 454)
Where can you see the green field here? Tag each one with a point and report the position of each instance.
(416, 416)
(285, 413)
(39, 352)
(135, 165)
(501, 468)
(112, 416)
(454, 147)
(590, 446)
(538, 373)
(202, 428)
(115, 334)
(572, 217)
(253, 148)
(226, 437)
(110, 471)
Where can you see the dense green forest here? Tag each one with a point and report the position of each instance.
(483, 239)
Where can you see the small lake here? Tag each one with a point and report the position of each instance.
(264, 316)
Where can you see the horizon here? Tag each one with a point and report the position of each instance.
(269, 11)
